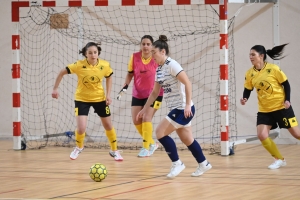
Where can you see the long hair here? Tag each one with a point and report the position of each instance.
(275, 53)
(90, 44)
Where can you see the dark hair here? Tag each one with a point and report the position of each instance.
(90, 44)
(147, 37)
(161, 43)
(275, 53)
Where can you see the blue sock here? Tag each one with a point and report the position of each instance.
(197, 151)
(170, 147)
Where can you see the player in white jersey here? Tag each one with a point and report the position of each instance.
(178, 94)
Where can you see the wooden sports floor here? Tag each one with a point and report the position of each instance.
(49, 174)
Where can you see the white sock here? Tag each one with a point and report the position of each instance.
(178, 162)
(204, 162)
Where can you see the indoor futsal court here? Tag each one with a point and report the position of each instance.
(50, 174)
(217, 43)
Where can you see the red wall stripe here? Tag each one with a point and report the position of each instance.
(16, 128)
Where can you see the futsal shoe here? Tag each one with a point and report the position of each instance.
(152, 148)
(74, 154)
(176, 168)
(277, 163)
(116, 155)
(144, 153)
(203, 167)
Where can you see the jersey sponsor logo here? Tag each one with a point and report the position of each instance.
(90, 81)
(167, 90)
(144, 71)
(264, 89)
(84, 67)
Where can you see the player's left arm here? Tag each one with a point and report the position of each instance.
(282, 79)
(287, 92)
(108, 89)
(183, 78)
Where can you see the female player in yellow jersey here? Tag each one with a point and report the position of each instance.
(142, 68)
(90, 93)
(273, 93)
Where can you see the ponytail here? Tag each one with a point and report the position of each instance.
(275, 53)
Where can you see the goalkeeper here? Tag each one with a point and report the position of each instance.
(142, 68)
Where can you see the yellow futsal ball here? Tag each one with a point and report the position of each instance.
(98, 172)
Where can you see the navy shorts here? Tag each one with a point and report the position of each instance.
(177, 119)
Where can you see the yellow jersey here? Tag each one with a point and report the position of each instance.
(89, 86)
(267, 81)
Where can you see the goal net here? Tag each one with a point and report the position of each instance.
(51, 38)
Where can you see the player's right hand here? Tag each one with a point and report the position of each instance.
(55, 94)
(140, 114)
(243, 101)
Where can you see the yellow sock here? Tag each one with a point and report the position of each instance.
(147, 134)
(112, 138)
(139, 128)
(271, 147)
(79, 139)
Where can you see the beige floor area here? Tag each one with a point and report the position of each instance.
(48, 173)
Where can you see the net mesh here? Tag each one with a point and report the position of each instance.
(51, 39)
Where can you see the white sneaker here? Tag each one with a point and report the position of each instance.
(116, 155)
(277, 163)
(144, 153)
(176, 168)
(203, 167)
(152, 148)
(74, 154)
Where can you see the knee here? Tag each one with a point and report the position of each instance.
(262, 136)
(147, 118)
(108, 127)
(159, 134)
(80, 131)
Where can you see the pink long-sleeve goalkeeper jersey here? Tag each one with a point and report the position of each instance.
(144, 71)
